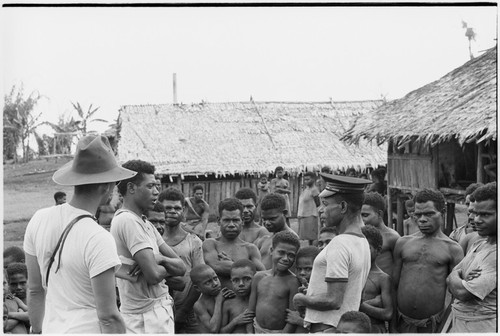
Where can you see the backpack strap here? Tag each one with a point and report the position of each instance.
(60, 244)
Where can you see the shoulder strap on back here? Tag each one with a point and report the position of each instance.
(60, 244)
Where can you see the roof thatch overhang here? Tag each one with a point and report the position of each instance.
(244, 138)
(462, 105)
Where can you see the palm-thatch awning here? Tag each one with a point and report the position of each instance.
(460, 105)
(247, 137)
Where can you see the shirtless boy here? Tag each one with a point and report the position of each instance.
(273, 216)
(304, 265)
(376, 301)
(208, 308)
(326, 234)
(273, 290)
(17, 311)
(373, 214)
(235, 313)
(250, 231)
(354, 322)
(221, 252)
(422, 263)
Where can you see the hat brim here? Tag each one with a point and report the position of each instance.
(326, 193)
(67, 177)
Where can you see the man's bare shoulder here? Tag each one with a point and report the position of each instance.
(210, 242)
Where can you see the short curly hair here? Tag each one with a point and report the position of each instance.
(469, 191)
(285, 237)
(329, 229)
(242, 263)
(375, 200)
(360, 318)
(15, 252)
(373, 236)
(198, 187)
(158, 207)
(311, 174)
(435, 196)
(139, 166)
(308, 252)
(171, 194)
(273, 201)
(486, 192)
(246, 193)
(17, 268)
(230, 204)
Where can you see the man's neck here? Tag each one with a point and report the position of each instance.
(249, 225)
(492, 239)
(351, 224)
(173, 230)
(130, 205)
(87, 202)
(223, 239)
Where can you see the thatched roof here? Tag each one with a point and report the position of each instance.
(460, 105)
(247, 137)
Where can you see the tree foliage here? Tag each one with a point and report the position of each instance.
(19, 121)
(86, 116)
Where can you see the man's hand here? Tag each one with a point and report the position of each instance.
(304, 284)
(473, 274)
(223, 256)
(293, 317)
(244, 318)
(135, 270)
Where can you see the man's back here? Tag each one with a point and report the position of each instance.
(88, 251)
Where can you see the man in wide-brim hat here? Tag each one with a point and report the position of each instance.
(74, 292)
(340, 270)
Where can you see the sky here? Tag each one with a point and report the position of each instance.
(109, 57)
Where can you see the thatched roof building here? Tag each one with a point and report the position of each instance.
(461, 105)
(246, 137)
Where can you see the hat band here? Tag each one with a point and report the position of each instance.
(334, 187)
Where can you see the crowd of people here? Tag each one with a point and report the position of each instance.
(151, 268)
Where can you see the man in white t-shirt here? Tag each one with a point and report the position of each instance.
(75, 293)
(340, 270)
(146, 305)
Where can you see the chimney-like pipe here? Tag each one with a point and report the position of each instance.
(175, 89)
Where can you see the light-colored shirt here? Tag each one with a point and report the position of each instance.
(132, 234)
(88, 251)
(307, 206)
(346, 258)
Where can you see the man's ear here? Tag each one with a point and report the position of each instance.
(131, 187)
(343, 207)
(196, 288)
(381, 213)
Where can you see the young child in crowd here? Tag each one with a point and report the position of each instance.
(235, 313)
(354, 322)
(409, 224)
(17, 274)
(273, 290)
(376, 301)
(326, 234)
(208, 308)
(16, 318)
(262, 191)
(304, 265)
(280, 185)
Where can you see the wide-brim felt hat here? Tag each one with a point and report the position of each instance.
(94, 162)
(336, 184)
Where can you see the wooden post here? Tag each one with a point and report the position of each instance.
(450, 214)
(175, 88)
(480, 168)
(389, 208)
(400, 211)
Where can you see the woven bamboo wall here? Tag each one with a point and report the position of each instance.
(411, 172)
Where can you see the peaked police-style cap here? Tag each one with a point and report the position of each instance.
(336, 184)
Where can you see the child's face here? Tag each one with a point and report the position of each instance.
(279, 173)
(273, 219)
(17, 285)
(263, 180)
(208, 283)
(242, 280)
(304, 267)
(410, 211)
(283, 256)
(349, 328)
(325, 238)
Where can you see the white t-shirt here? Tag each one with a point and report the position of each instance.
(88, 251)
(132, 234)
(345, 258)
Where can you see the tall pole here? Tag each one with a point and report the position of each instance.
(175, 89)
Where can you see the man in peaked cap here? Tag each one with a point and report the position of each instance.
(74, 292)
(340, 270)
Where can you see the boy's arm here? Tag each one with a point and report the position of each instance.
(293, 287)
(192, 296)
(385, 312)
(211, 323)
(227, 328)
(254, 254)
(10, 324)
(36, 293)
(21, 304)
(252, 302)
(244, 318)
(20, 316)
(221, 267)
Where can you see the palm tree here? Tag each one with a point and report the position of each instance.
(85, 116)
(65, 129)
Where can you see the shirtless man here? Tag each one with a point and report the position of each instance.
(251, 231)
(372, 213)
(468, 239)
(221, 252)
(422, 263)
(468, 226)
(196, 213)
(273, 218)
